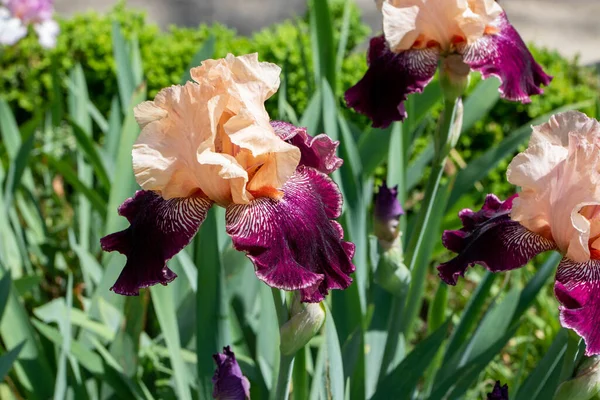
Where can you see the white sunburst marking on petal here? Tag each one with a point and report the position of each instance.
(525, 242)
(577, 274)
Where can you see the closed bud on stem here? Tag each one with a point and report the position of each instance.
(386, 218)
(454, 76)
(392, 274)
(306, 319)
(585, 384)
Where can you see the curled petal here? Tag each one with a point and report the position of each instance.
(504, 54)
(391, 77)
(159, 229)
(228, 380)
(317, 152)
(294, 242)
(500, 392)
(577, 288)
(490, 238)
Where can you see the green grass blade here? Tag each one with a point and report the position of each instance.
(311, 119)
(60, 386)
(88, 147)
(162, 299)
(16, 171)
(7, 360)
(335, 366)
(321, 36)
(206, 51)
(125, 74)
(344, 32)
(113, 135)
(479, 103)
(373, 146)
(402, 381)
(5, 285)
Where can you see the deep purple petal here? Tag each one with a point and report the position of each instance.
(159, 229)
(577, 288)
(490, 238)
(294, 242)
(228, 381)
(505, 55)
(499, 392)
(317, 152)
(391, 77)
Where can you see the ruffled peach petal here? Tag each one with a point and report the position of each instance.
(222, 179)
(400, 26)
(559, 176)
(147, 112)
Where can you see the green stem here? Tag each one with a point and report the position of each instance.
(300, 376)
(280, 389)
(402, 316)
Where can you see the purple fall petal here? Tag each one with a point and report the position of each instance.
(506, 56)
(159, 229)
(499, 392)
(577, 288)
(228, 380)
(294, 243)
(391, 77)
(317, 152)
(490, 238)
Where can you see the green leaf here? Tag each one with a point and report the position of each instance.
(88, 147)
(543, 381)
(335, 366)
(125, 74)
(311, 119)
(162, 299)
(205, 52)
(16, 170)
(64, 323)
(321, 36)
(402, 381)
(373, 146)
(7, 360)
(479, 103)
(113, 135)
(344, 32)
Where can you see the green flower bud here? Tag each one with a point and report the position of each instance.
(392, 274)
(305, 322)
(585, 384)
(454, 76)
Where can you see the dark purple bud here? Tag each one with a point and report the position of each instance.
(387, 213)
(228, 380)
(499, 392)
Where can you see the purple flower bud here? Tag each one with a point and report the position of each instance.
(228, 380)
(499, 392)
(387, 213)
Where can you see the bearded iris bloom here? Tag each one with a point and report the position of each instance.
(558, 208)
(210, 142)
(16, 15)
(463, 35)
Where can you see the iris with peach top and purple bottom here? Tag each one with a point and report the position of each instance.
(558, 208)
(461, 35)
(210, 142)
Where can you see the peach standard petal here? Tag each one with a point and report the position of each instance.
(214, 135)
(442, 23)
(559, 176)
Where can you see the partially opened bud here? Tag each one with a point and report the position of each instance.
(228, 380)
(305, 322)
(387, 214)
(499, 392)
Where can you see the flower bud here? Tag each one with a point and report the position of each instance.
(500, 392)
(228, 381)
(387, 214)
(392, 274)
(305, 321)
(454, 76)
(585, 384)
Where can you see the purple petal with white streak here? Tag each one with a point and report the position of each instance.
(317, 152)
(294, 242)
(577, 287)
(159, 229)
(505, 55)
(390, 78)
(490, 238)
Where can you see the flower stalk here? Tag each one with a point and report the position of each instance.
(280, 388)
(403, 315)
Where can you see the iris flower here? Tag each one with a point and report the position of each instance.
(16, 15)
(228, 381)
(210, 142)
(464, 34)
(558, 208)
